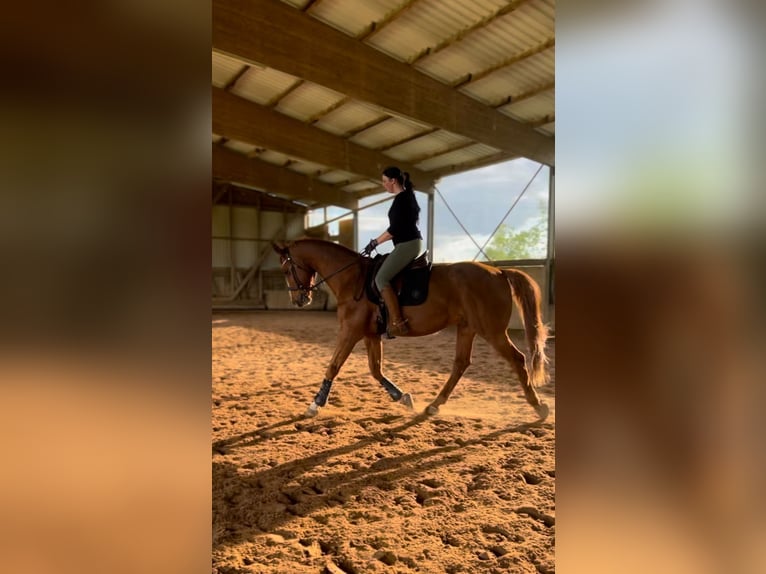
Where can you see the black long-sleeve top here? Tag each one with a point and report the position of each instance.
(403, 218)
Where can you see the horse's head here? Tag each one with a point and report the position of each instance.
(298, 274)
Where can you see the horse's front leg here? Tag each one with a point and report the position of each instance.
(374, 358)
(346, 342)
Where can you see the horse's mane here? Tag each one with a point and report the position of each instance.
(340, 250)
(324, 244)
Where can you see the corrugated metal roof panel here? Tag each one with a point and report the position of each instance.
(239, 146)
(263, 85)
(224, 68)
(274, 157)
(392, 130)
(307, 101)
(531, 108)
(337, 176)
(548, 129)
(545, 10)
(307, 167)
(490, 45)
(352, 17)
(521, 77)
(296, 3)
(361, 186)
(490, 90)
(428, 23)
(426, 145)
(349, 116)
(457, 157)
(520, 30)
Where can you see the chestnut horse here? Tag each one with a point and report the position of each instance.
(475, 297)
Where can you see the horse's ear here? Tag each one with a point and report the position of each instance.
(279, 247)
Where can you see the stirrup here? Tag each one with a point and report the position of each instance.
(398, 327)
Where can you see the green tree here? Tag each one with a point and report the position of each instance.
(509, 244)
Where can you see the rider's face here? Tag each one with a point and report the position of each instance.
(388, 184)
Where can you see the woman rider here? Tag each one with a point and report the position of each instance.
(403, 231)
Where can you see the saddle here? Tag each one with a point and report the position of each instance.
(410, 284)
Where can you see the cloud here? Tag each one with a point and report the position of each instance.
(451, 248)
(482, 197)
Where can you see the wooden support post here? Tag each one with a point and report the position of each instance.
(231, 242)
(430, 230)
(549, 276)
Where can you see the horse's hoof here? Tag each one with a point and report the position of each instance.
(406, 400)
(432, 410)
(312, 411)
(542, 411)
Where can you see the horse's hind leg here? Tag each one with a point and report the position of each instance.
(374, 358)
(463, 350)
(503, 345)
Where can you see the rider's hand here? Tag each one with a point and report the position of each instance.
(370, 246)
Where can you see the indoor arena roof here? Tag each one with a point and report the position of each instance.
(313, 98)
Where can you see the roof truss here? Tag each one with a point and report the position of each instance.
(236, 167)
(296, 43)
(240, 119)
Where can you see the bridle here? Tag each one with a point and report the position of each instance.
(300, 287)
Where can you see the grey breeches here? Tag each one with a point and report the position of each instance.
(397, 260)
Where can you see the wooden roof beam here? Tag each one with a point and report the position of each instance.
(297, 44)
(234, 167)
(243, 120)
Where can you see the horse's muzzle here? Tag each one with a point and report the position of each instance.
(302, 300)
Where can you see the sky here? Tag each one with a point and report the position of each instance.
(480, 198)
(666, 116)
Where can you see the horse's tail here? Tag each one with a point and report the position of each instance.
(526, 293)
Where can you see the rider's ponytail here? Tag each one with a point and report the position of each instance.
(407, 184)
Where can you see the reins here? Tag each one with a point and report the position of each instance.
(300, 287)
